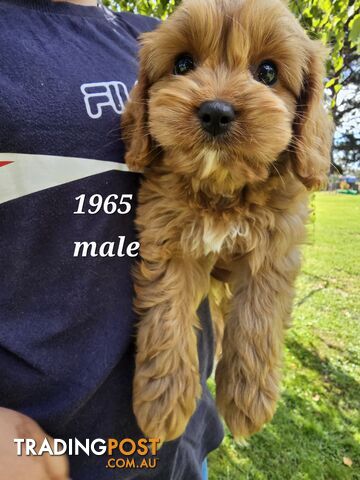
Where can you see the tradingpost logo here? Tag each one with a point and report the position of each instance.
(123, 453)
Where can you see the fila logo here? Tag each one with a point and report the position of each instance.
(98, 96)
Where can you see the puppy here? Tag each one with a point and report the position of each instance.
(227, 124)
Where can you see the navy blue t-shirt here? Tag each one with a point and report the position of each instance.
(66, 322)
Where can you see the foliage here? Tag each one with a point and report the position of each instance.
(315, 431)
(337, 24)
(155, 8)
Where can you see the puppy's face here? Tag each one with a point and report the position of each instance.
(226, 85)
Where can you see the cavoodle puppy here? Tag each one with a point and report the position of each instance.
(226, 123)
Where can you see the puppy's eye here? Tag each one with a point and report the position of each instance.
(267, 72)
(184, 64)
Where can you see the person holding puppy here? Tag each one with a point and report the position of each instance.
(66, 320)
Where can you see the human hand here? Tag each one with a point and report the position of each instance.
(45, 467)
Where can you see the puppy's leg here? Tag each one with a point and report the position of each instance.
(247, 375)
(166, 383)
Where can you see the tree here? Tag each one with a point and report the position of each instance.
(155, 8)
(337, 24)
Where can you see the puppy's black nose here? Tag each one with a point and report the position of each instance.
(216, 116)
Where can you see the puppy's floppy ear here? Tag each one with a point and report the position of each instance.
(312, 125)
(134, 123)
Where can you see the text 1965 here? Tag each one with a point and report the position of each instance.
(110, 204)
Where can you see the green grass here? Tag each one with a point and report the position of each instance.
(317, 422)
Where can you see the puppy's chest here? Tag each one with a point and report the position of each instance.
(215, 235)
(219, 236)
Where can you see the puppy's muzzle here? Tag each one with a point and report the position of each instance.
(216, 117)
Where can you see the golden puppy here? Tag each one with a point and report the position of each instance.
(227, 124)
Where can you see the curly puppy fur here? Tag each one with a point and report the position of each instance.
(235, 204)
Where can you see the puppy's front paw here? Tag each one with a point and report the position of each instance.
(245, 403)
(164, 405)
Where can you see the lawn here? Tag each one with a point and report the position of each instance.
(315, 434)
